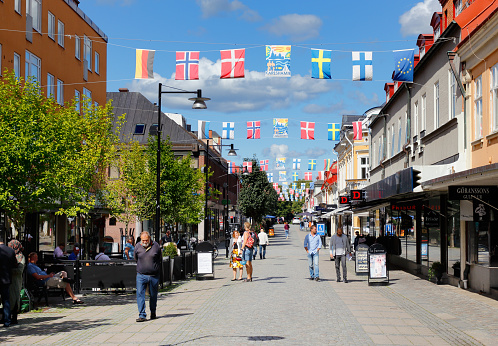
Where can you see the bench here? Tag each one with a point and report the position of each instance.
(39, 292)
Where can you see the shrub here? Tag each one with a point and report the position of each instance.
(170, 250)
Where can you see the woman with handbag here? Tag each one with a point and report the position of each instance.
(247, 250)
(16, 285)
(235, 258)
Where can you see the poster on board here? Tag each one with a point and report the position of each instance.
(378, 266)
(204, 263)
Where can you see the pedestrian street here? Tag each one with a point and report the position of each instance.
(280, 306)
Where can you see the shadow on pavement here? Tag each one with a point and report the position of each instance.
(249, 338)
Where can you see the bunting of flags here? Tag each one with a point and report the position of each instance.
(228, 130)
(320, 175)
(232, 63)
(311, 164)
(282, 176)
(320, 63)
(362, 66)
(187, 66)
(278, 61)
(307, 130)
(357, 130)
(280, 128)
(248, 166)
(263, 164)
(296, 164)
(308, 176)
(253, 129)
(333, 131)
(326, 164)
(295, 176)
(280, 163)
(275, 186)
(144, 64)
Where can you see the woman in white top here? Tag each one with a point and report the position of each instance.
(235, 244)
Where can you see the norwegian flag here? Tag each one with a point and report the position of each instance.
(358, 134)
(187, 65)
(264, 165)
(232, 63)
(308, 176)
(248, 165)
(275, 186)
(307, 130)
(253, 129)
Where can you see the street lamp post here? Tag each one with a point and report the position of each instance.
(198, 104)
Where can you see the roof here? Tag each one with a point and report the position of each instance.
(349, 119)
(474, 16)
(74, 5)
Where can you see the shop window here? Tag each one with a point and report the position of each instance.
(453, 221)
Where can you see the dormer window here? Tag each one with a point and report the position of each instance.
(437, 32)
(458, 7)
(422, 50)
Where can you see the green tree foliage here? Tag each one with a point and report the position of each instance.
(52, 157)
(288, 209)
(257, 197)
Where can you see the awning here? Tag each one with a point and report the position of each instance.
(337, 211)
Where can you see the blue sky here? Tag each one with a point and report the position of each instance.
(209, 26)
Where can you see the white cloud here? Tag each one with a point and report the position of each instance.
(282, 150)
(313, 108)
(211, 8)
(364, 99)
(299, 27)
(417, 20)
(255, 92)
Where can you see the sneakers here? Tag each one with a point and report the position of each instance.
(317, 279)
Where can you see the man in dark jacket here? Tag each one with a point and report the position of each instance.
(7, 263)
(148, 256)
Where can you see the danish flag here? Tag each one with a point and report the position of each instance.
(253, 129)
(264, 165)
(248, 165)
(275, 186)
(187, 65)
(308, 176)
(307, 130)
(232, 63)
(358, 135)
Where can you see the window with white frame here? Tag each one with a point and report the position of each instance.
(494, 98)
(478, 108)
(437, 32)
(393, 133)
(87, 52)
(422, 50)
(34, 9)
(97, 63)
(399, 134)
(51, 26)
(423, 116)
(77, 47)
(388, 142)
(458, 7)
(50, 86)
(77, 98)
(453, 94)
(363, 167)
(436, 105)
(60, 92)
(88, 95)
(60, 33)
(415, 119)
(17, 6)
(373, 152)
(17, 65)
(32, 66)
(380, 151)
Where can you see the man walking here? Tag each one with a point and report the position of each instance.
(7, 263)
(341, 247)
(263, 241)
(148, 256)
(312, 245)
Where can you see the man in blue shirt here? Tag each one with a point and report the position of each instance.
(312, 245)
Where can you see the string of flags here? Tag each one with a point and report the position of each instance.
(278, 64)
(280, 130)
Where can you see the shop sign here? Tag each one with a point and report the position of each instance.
(361, 258)
(470, 192)
(431, 218)
(343, 199)
(357, 195)
(481, 211)
(403, 207)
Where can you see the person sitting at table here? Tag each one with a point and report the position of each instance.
(101, 256)
(75, 254)
(57, 280)
(59, 251)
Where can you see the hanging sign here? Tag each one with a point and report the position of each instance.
(343, 199)
(485, 193)
(431, 218)
(481, 211)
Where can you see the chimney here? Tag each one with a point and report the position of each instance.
(189, 128)
(123, 90)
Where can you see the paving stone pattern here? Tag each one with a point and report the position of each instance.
(280, 306)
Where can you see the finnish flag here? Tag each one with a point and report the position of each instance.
(228, 130)
(362, 66)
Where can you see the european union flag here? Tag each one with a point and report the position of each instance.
(403, 65)
(320, 63)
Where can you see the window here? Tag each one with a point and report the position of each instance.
(60, 33)
(388, 143)
(453, 95)
(51, 26)
(50, 86)
(96, 104)
(374, 159)
(34, 9)
(424, 113)
(17, 65)
(0, 59)
(415, 120)
(399, 135)
(393, 133)
(436, 105)
(139, 129)
(363, 166)
(478, 108)
(494, 97)
(17, 6)
(458, 7)
(97, 63)
(60, 92)
(87, 96)
(437, 32)
(33, 66)
(380, 150)
(87, 52)
(77, 98)
(77, 47)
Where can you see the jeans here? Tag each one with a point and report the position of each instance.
(287, 233)
(338, 260)
(262, 251)
(255, 252)
(142, 281)
(247, 254)
(4, 291)
(313, 264)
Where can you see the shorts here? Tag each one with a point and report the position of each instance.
(247, 255)
(56, 281)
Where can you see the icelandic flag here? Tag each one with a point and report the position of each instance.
(403, 65)
(203, 129)
(362, 66)
(332, 131)
(253, 129)
(311, 164)
(307, 130)
(320, 63)
(232, 63)
(228, 130)
(295, 176)
(296, 163)
(270, 177)
(308, 176)
(357, 132)
(248, 165)
(187, 65)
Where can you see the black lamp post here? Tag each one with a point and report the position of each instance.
(198, 104)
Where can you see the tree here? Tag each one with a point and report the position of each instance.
(257, 197)
(288, 209)
(52, 156)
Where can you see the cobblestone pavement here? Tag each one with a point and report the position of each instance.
(280, 306)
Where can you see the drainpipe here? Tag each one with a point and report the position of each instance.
(451, 57)
(408, 124)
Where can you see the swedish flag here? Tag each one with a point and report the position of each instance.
(320, 63)
(403, 65)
